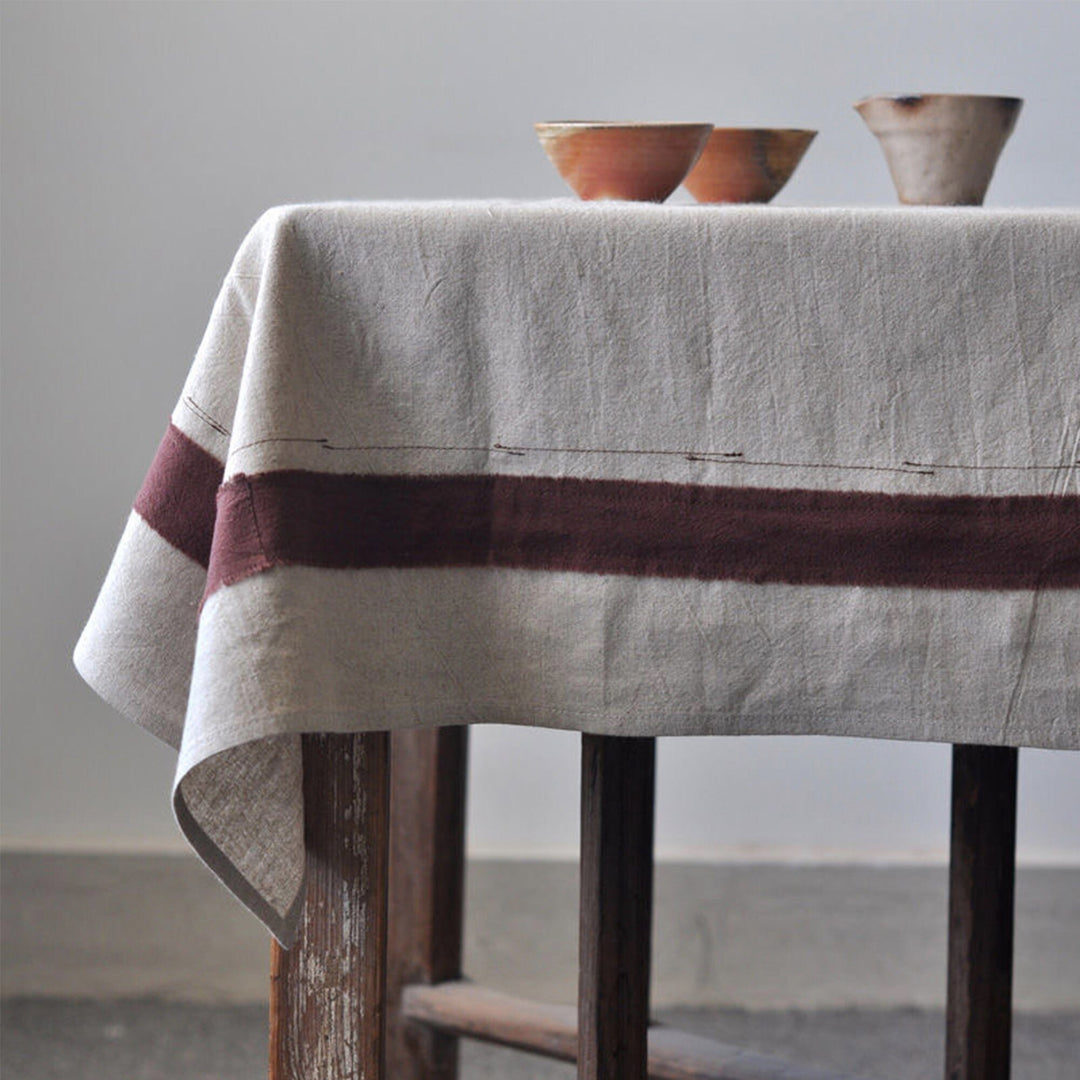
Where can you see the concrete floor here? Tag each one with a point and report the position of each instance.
(42, 1039)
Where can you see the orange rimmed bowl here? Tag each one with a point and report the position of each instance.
(747, 165)
(605, 159)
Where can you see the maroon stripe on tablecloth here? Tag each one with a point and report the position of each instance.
(177, 498)
(644, 529)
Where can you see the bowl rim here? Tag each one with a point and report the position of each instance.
(753, 129)
(607, 125)
(912, 97)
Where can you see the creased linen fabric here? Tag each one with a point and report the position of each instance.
(612, 467)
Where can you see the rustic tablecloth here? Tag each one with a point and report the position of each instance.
(613, 467)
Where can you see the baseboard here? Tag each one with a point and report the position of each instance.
(751, 935)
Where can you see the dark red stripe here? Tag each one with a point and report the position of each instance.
(177, 498)
(645, 529)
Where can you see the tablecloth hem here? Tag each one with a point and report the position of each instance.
(604, 721)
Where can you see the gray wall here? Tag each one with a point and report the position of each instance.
(140, 141)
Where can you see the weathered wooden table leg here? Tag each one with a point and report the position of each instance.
(981, 887)
(617, 785)
(327, 993)
(427, 880)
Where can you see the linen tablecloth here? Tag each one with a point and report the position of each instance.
(620, 468)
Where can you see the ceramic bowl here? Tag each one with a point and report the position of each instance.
(746, 165)
(610, 160)
(941, 149)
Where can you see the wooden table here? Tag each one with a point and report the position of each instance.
(367, 994)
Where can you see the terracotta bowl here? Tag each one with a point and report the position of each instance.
(941, 149)
(746, 165)
(609, 160)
